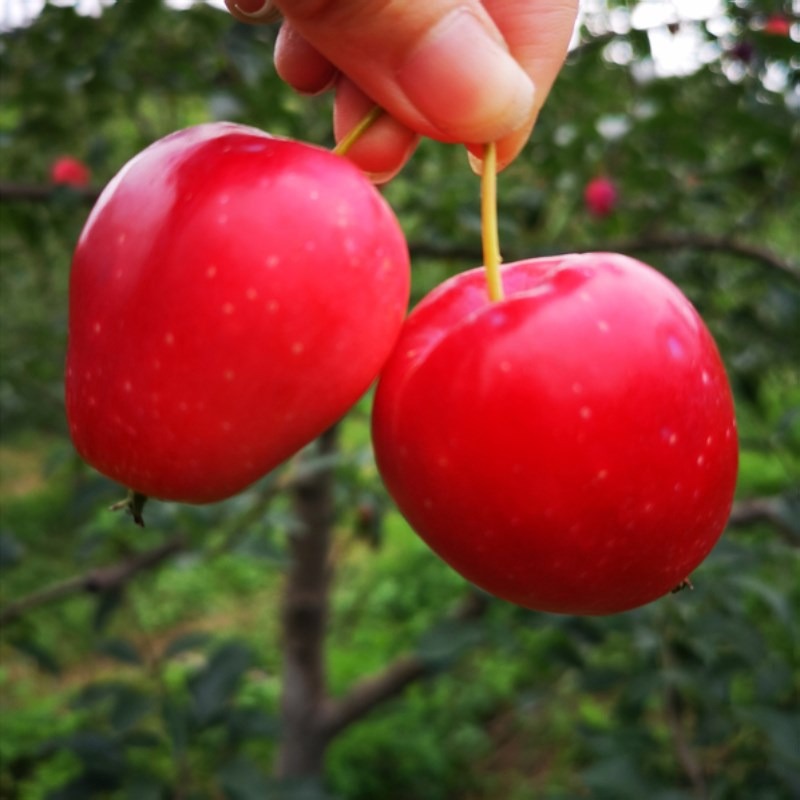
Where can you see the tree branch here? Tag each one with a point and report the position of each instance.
(764, 509)
(42, 192)
(676, 241)
(96, 581)
(704, 242)
(305, 615)
(374, 690)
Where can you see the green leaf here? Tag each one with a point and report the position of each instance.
(444, 643)
(42, 656)
(187, 642)
(11, 551)
(782, 730)
(241, 779)
(251, 723)
(214, 686)
(108, 603)
(177, 723)
(145, 787)
(120, 649)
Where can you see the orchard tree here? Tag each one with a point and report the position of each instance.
(297, 640)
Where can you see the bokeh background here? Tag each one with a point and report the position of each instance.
(149, 664)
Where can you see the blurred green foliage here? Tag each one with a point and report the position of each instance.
(172, 688)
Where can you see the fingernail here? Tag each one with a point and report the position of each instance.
(475, 163)
(465, 82)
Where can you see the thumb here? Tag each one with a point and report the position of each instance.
(441, 68)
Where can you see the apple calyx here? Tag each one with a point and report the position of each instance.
(134, 504)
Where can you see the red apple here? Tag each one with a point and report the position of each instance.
(69, 171)
(778, 25)
(571, 448)
(231, 296)
(600, 196)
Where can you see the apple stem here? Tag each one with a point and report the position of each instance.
(489, 235)
(358, 131)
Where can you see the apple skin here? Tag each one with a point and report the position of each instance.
(231, 296)
(571, 448)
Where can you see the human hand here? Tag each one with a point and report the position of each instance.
(457, 71)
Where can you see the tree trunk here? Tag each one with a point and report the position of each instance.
(305, 617)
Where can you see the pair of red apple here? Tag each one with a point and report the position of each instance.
(571, 448)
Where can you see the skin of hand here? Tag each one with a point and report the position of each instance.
(466, 71)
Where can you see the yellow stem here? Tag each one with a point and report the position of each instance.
(358, 131)
(489, 235)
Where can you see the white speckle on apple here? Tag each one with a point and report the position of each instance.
(706, 378)
(505, 366)
(222, 219)
(273, 306)
(183, 406)
(585, 297)
(310, 246)
(226, 426)
(272, 261)
(603, 326)
(297, 348)
(211, 272)
(675, 347)
(602, 474)
(586, 412)
(700, 461)
(224, 199)
(428, 503)
(577, 388)
(313, 195)
(228, 308)
(97, 327)
(251, 294)
(410, 353)
(229, 374)
(669, 436)
(127, 386)
(169, 338)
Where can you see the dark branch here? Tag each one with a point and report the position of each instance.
(703, 242)
(764, 509)
(96, 581)
(42, 192)
(304, 614)
(678, 241)
(370, 692)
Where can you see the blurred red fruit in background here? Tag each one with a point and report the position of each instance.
(70, 172)
(778, 25)
(600, 197)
